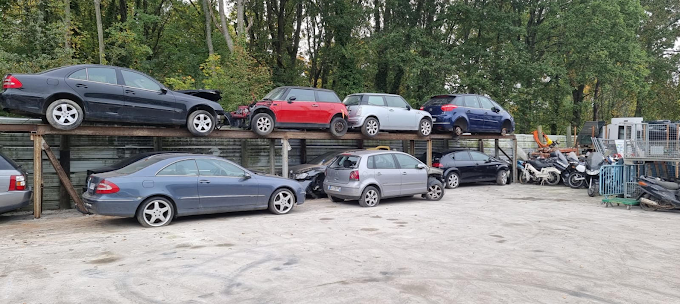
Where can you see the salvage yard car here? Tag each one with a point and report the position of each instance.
(160, 187)
(69, 95)
(369, 176)
(468, 113)
(468, 166)
(373, 113)
(298, 108)
(14, 193)
(311, 174)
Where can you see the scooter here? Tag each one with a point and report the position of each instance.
(657, 194)
(547, 174)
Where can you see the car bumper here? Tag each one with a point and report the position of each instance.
(347, 191)
(17, 101)
(14, 200)
(355, 121)
(111, 206)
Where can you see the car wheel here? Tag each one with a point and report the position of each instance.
(452, 180)
(336, 199)
(200, 123)
(504, 131)
(64, 114)
(457, 131)
(502, 177)
(262, 124)
(338, 126)
(281, 201)
(424, 127)
(370, 197)
(155, 212)
(371, 127)
(435, 190)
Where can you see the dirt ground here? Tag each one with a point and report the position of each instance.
(480, 244)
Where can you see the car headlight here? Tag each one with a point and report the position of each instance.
(301, 176)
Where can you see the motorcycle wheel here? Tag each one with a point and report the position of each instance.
(554, 178)
(576, 180)
(592, 191)
(644, 206)
(523, 179)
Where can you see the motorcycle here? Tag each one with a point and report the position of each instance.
(539, 171)
(657, 194)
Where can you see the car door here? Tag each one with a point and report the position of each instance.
(297, 108)
(492, 119)
(375, 104)
(474, 113)
(99, 89)
(401, 116)
(223, 185)
(148, 101)
(180, 180)
(465, 165)
(413, 179)
(327, 106)
(486, 169)
(387, 173)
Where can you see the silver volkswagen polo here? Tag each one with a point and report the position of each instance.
(369, 176)
(14, 193)
(375, 112)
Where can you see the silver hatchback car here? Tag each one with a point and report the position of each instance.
(14, 193)
(369, 176)
(375, 112)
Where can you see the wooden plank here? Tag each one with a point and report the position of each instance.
(65, 181)
(37, 175)
(429, 153)
(284, 157)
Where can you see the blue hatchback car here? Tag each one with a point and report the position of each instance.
(468, 113)
(160, 187)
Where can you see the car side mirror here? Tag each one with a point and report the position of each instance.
(495, 109)
(408, 108)
(291, 99)
(164, 91)
(247, 176)
(421, 166)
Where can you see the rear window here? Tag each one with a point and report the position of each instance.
(352, 100)
(346, 162)
(140, 164)
(7, 163)
(439, 101)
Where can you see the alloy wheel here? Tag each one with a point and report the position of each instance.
(283, 201)
(202, 123)
(453, 180)
(504, 177)
(65, 114)
(434, 191)
(425, 127)
(371, 198)
(264, 124)
(157, 213)
(372, 127)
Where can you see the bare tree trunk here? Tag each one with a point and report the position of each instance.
(596, 97)
(225, 29)
(208, 28)
(67, 24)
(100, 30)
(240, 17)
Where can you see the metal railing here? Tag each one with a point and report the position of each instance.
(620, 180)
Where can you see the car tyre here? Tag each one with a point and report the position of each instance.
(502, 177)
(64, 114)
(435, 189)
(282, 201)
(155, 212)
(201, 123)
(452, 180)
(371, 127)
(338, 126)
(457, 131)
(336, 199)
(262, 124)
(424, 127)
(370, 197)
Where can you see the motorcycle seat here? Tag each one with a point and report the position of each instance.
(669, 185)
(539, 165)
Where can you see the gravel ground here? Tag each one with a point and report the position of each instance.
(480, 244)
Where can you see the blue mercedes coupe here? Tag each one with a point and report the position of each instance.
(160, 187)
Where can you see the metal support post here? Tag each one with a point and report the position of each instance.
(272, 154)
(303, 151)
(429, 153)
(37, 175)
(284, 157)
(412, 148)
(65, 162)
(495, 148)
(514, 159)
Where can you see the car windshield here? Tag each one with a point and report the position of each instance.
(346, 161)
(439, 101)
(140, 164)
(352, 100)
(275, 94)
(323, 158)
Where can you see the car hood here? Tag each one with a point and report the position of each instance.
(306, 168)
(212, 95)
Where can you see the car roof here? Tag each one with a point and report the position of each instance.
(371, 152)
(375, 94)
(307, 88)
(454, 95)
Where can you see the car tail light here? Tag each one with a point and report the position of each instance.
(106, 187)
(422, 108)
(354, 175)
(17, 183)
(437, 165)
(448, 107)
(11, 82)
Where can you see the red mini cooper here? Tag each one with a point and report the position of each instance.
(299, 108)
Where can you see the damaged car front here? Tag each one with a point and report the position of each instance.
(311, 174)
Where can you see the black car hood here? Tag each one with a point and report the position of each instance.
(212, 95)
(305, 168)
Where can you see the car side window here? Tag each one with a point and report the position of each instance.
(477, 156)
(140, 81)
(371, 162)
(301, 95)
(211, 167)
(352, 100)
(407, 162)
(376, 101)
(462, 156)
(325, 96)
(471, 101)
(180, 168)
(384, 161)
(104, 75)
(80, 74)
(486, 103)
(395, 102)
(459, 101)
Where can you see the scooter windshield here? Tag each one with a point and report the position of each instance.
(561, 157)
(572, 156)
(595, 160)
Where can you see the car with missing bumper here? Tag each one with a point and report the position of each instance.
(160, 187)
(372, 113)
(468, 113)
(369, 176)
(311, 174)
(67, 96)
(14, 193)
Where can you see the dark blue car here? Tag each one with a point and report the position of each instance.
(160, 187)
(468, 113)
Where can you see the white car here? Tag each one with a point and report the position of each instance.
(385, 112)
